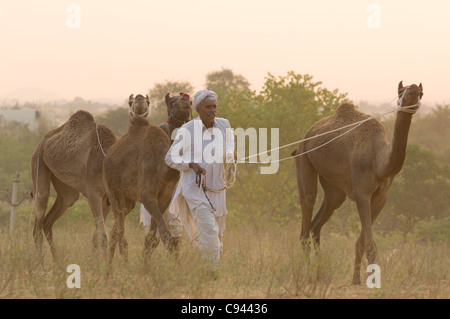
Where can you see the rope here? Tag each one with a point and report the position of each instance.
(98, 140)
(201, 183)
(335, 138)
(133, 113)
(199, 180)
(406, 109)
(229, 182)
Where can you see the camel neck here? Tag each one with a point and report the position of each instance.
(171, 128)
(397, 148)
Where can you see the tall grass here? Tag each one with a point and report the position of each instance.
(266, 262)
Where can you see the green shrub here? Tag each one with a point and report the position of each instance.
(434, 230)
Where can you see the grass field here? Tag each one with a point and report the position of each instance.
(263, 263)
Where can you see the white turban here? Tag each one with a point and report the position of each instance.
(203, 95)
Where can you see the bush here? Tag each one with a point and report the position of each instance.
(434, 230)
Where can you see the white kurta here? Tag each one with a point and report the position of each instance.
(208, 148)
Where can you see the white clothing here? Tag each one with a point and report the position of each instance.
(187, 189)
(173, 221)
(203, 95)
(203, 221)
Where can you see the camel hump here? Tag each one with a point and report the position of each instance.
(81, 121)
(106, 136)
(347, 113)
(346, 107)
(82, 116)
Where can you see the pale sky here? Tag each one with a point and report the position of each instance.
(124, 47)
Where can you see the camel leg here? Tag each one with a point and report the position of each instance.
(307, 189)
(106, 206)
(376, 205)
(164, 201)
(334, 197)
(359, 252)
(42, 194)
(365, 242)
(116, 232)
(123, 243)
(151, 205)
(151, 241)
(66, 197)
(95, 200)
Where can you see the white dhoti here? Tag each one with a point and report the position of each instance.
(203, 213)
(173, 222)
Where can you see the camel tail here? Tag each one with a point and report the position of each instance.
(294, 153)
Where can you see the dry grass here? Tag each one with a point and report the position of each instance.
(267, 263)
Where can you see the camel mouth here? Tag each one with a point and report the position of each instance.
(414, 96)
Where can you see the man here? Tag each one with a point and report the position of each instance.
(198, 153)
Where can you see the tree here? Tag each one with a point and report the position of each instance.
(117, 120)
(225, 80)
(291, 103)
(17, 145)
(419, 192)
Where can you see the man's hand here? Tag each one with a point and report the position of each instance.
(196, 167)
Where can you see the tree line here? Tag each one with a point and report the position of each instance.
(292, 102)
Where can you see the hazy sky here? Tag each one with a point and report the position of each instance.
(124, 47)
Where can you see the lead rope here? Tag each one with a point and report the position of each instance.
(98, 140)
(406, 109)
(199, 180)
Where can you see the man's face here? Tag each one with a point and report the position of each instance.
(207, 111)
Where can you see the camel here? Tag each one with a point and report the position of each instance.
(134, 170)
(360, 165)
(176, 117)
(71, 157)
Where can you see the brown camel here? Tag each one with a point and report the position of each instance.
(360, 165)
(71, 158)
(134, 170)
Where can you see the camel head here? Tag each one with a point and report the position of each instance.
(409, 97)
(138, 105)
(178, 109)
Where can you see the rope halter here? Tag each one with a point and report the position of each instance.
(408, 108)
(131, 110)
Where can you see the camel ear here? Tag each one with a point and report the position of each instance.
(400, 85)
(130, 100)
(421, 90)
(147, 100)
(167, 98)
